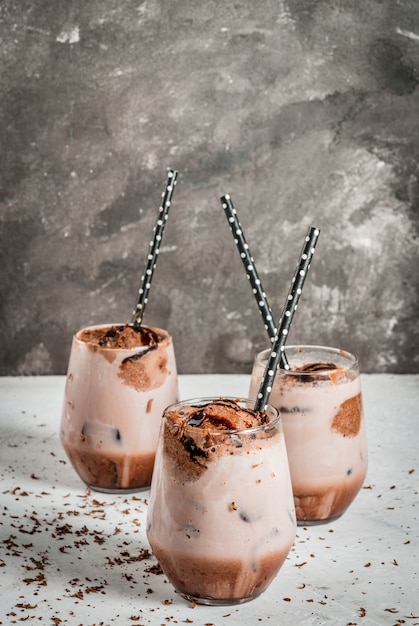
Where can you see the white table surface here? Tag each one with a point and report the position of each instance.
(70, 556)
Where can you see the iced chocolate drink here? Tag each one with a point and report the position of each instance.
(221, 517)
(120, 379)
(321, 406)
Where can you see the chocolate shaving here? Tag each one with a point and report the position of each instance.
(139, 355)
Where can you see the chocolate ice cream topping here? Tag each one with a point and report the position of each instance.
(197, 434)
(313, 367)
(226, 415)
(121, 336)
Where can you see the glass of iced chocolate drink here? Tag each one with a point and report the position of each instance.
(221, 517)
(120, 379)
(320, 401)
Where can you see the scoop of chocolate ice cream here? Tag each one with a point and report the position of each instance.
(222, 414)
(120, 336)
(197, 434)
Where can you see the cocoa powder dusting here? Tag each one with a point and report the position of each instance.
(347, 420)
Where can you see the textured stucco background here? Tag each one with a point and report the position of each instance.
(305, 111)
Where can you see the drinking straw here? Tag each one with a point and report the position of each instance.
(284, 324)
(150, 265)
(251, 271)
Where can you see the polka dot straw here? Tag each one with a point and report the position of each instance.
(290, 306)
(251, 271)
(138, 313)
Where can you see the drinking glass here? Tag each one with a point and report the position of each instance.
(320, 401)
(221, 517)
(119, 381)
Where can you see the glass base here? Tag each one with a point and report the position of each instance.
(218, 601)
(317, 522)
(117, 491)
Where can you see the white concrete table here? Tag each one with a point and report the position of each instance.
(70, 556)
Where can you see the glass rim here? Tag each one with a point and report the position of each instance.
(201, 401)
(352, 362)
(165, 335)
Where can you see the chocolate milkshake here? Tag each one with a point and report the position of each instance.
(120, 379)
(321, 406)
(221, 517)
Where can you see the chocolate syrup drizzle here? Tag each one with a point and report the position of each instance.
(139, 355)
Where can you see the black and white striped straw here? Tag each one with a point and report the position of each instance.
(150, 265)
(251, 271)
(288, 311)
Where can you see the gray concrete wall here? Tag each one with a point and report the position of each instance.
(305, 111)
